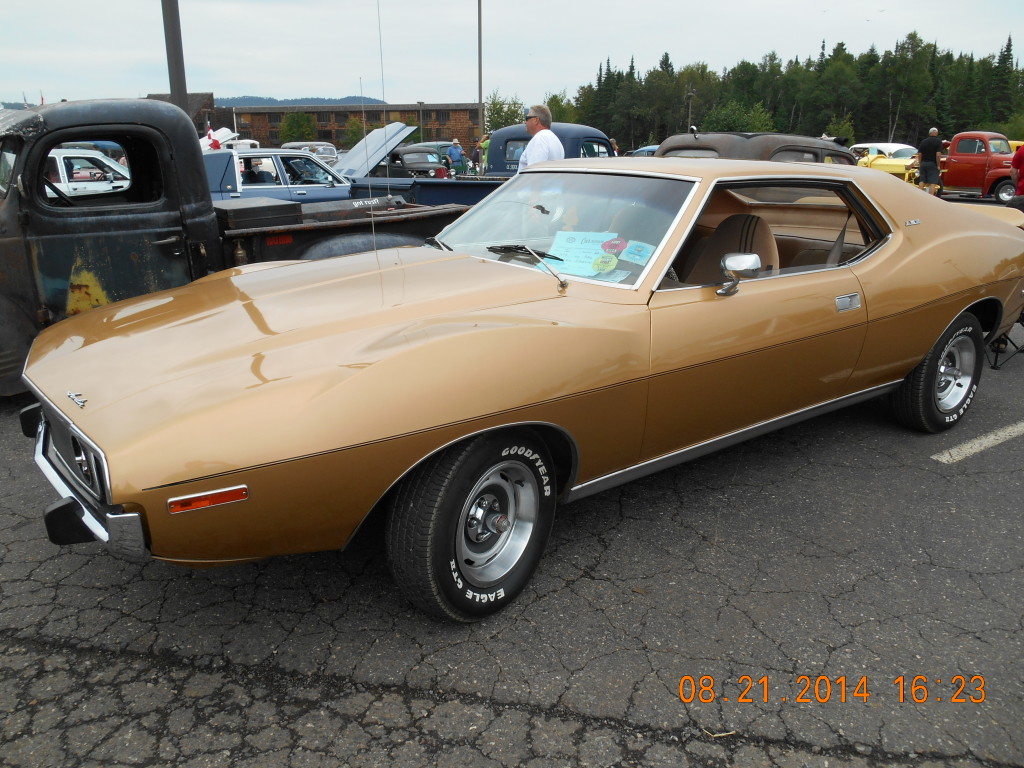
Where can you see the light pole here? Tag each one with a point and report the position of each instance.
(422, 135)
(480, 63)
(175, 58)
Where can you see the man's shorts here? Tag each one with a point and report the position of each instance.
(929, 173)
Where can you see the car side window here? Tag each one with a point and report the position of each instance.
(93, 171)
(514, 148)
(970, 147)
(795, 228)
(259, 171)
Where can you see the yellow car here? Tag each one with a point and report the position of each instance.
(590, 322)
(897, 159)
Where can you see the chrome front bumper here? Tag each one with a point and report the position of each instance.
(74, 519)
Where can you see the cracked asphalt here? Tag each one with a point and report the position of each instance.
(836, 551)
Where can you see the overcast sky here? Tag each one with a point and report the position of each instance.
(403, 51)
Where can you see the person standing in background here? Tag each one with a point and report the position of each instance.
(1017, 177)
(929, 155)
(457, 157)
(544, 145)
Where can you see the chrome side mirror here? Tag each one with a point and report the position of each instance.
(736, 266)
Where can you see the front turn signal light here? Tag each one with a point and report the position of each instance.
(208, 499)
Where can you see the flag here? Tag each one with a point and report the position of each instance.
(214, 144)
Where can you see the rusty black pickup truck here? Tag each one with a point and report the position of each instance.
(61, 253)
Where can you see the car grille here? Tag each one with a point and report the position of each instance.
(74, 456)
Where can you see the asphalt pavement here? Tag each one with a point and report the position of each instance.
(843, 593)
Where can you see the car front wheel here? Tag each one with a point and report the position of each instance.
(938, 392)
(467, 528)
(1004, 191)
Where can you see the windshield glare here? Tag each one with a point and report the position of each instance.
(601, 227)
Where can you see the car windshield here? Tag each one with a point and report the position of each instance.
(605, 228)
(1000, 146)
(902, 154)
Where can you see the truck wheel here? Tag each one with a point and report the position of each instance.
(466, 530)
(1004, 191)
(937, 393)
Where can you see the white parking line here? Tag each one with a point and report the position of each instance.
(979, 444)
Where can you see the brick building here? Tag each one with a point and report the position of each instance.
(441, 122)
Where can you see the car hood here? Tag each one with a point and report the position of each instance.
(294, 357)
(375, 146)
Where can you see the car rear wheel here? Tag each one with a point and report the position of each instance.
(938, 392)
(467, 528)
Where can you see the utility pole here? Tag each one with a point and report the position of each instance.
(175, 57)
(480, 63)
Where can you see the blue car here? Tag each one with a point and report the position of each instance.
(282, 174)
(647, 151)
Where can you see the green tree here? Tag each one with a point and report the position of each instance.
(561, 106)
(297, 126)
(352, 133)
(733, 116)
(841, 128)
(500, 111)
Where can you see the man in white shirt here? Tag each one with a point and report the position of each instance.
(544, 145)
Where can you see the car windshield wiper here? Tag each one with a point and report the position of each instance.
(438, 244)
(519, 251)
(515, 248)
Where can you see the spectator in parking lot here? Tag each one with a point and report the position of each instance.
(1017, 177)
(457, 157)
(929, 155)
(544, 145)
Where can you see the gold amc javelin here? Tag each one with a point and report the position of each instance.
(589, 323)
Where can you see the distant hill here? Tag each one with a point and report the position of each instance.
(264, 101)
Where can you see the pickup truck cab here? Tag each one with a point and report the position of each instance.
(65, 251)
(977, 163)
(508, 143)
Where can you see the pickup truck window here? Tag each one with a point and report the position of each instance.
(970, 147)
(1000, 146)
(91, 171)
(7, 158)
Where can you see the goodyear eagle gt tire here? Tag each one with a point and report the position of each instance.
(939, 391)
(467, 528)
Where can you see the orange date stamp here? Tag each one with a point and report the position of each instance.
(823, 689)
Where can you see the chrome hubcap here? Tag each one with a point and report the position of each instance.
(496, 523)
(956, 371)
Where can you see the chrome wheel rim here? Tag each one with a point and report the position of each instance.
(956, 373)
(496, 523)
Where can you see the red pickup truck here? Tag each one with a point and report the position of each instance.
(978, 163)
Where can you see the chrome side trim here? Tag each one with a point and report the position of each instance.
(652, 466)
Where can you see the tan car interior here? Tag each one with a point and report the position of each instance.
(813, 232)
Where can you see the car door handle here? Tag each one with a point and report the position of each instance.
(168, 241)
(300, 191)
(848, 302)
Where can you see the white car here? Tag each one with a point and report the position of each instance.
(83, 172)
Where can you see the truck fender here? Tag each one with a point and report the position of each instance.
(358, 242)
(16, 333)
